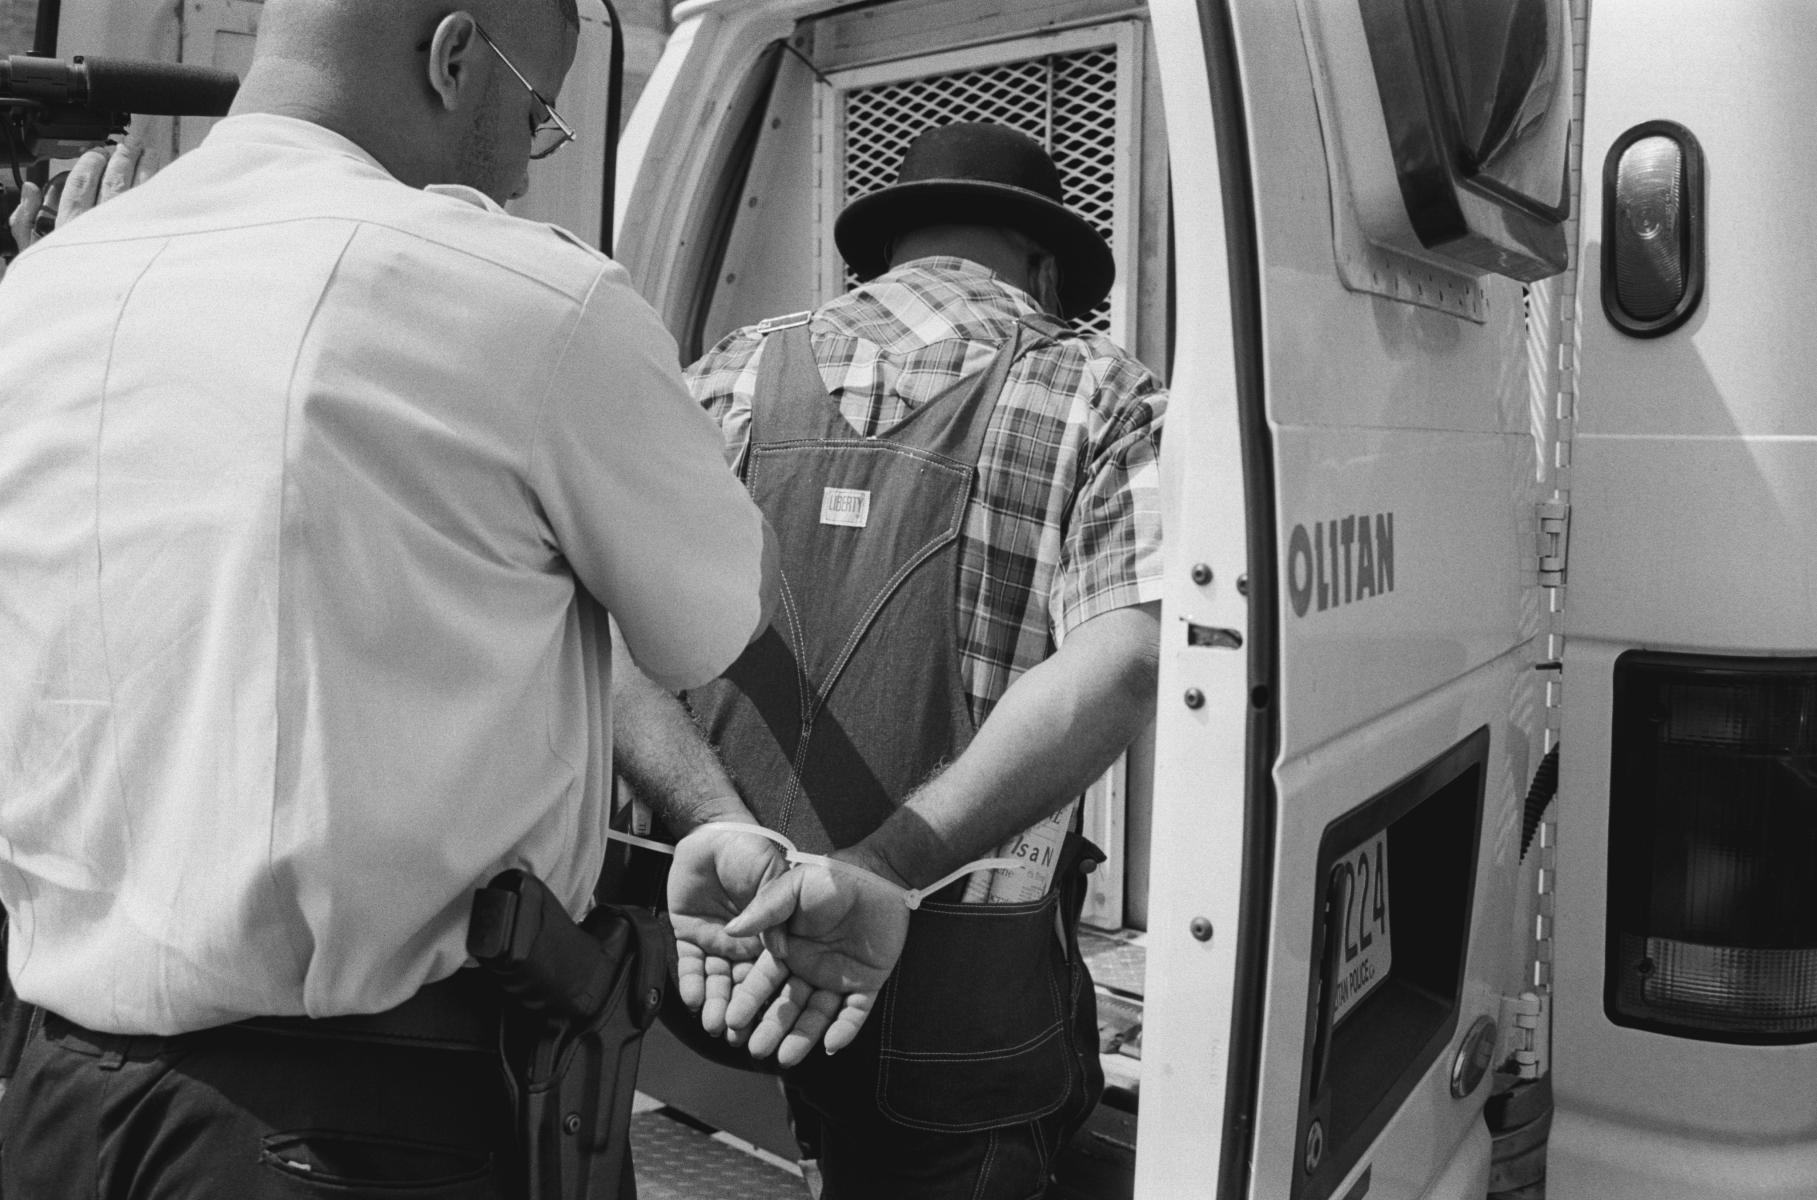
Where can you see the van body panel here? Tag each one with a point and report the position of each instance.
(1597, 1157)
(1369, 617)
(1703, 543)
(1376, 406)
(1695, 455)
(1694, 484)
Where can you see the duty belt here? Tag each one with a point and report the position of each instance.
(457, 1013)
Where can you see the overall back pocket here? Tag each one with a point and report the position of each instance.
(973, 1022)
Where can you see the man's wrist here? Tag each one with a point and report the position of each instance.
(867, 857)
(682, 817)
(903, 850)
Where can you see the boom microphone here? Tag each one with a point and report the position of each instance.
(55, 109)
(118, 85)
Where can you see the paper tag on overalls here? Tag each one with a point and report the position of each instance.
(845, 506)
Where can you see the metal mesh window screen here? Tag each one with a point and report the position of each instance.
(1067, 102)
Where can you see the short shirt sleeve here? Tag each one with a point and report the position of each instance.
(724, 383)
(630, 477)
(1111, 549)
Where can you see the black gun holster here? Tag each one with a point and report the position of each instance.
(584, 996)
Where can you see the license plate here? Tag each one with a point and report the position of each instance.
(1367, 953)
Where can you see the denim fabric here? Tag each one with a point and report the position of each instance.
(856, 691)
(972, 1028)
(961, 1087)
(864, 1154)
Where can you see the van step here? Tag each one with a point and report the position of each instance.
(1118, 959)
(677, 1158)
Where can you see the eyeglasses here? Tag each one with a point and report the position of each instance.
(550, 133)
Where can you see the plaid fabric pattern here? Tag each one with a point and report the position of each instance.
(1065, 523)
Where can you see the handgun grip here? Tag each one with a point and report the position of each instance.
(519, 931)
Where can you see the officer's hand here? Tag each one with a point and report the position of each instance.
(715, 875)
(831, 939)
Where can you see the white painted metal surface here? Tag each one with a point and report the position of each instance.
(1378, 406)
(1199, 753)
(1694, 528)
(1696, 454)
(1374, 244)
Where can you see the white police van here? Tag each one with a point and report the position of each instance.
(1460, 302)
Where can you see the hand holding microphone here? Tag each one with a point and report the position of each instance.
(55, 109)
(100, 174)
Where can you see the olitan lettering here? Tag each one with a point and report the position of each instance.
(1340, 561)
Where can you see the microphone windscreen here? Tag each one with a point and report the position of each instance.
(158, 88)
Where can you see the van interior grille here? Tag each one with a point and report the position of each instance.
(1067, 102)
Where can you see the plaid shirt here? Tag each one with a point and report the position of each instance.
(1065, 522)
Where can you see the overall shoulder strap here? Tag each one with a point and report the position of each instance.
(791, 403)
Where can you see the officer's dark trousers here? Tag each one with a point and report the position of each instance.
(244, 1114)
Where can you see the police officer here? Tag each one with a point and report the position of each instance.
(324, 473)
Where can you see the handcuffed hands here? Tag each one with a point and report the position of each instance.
(831, 938)
(775, 957)
(716, 873)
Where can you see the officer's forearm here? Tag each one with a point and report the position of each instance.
(1054, 731)
(659, 751)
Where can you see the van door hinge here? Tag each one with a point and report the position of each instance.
(1554, 534)
(1524, 1045)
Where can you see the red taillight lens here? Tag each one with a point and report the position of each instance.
(1653, 242)
(1712, 843)
(1649, 245)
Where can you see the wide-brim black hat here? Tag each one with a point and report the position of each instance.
(976, 173)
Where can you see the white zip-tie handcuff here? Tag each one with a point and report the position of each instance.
(910, 896)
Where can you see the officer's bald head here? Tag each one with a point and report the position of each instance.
(412, 83)
(355, 23)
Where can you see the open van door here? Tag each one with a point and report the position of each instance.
(1357, 642)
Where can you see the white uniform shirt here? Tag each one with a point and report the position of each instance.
(302, 475)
